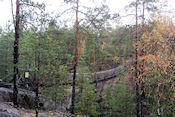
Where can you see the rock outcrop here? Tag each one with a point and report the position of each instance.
(26, 98)
(7, 110)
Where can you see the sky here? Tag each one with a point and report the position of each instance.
(116, 6)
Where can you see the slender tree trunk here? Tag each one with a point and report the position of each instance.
(94, 69)
(75, 59)
(37, 84)
(136, 66)
(16, 55)
(6, 56)
(143, 65)
(94, 56)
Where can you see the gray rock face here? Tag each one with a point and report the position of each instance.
(7, 110)
(4, 114)
(26, 98)
(6, 95)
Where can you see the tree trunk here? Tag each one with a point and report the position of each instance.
(75, 59)
(37, 84)
(143, 65)
(6, 56)
(94, 70)
(136, 67)
(16, 55)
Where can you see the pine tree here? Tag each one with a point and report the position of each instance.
(16, 53)
(75, 59)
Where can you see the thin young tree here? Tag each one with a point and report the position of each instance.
(75, 59)
(94, 65)
(136, 65)
(38, 81)
(6, 56)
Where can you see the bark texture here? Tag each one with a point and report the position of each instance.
(16, 55)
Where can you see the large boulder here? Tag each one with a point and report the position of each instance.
(5, 114)
(8, 111)
(26, 98)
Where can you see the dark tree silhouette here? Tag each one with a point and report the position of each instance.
(16, 54)
(75, 59)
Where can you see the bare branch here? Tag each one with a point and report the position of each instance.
(32, 5)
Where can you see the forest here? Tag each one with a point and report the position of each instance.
(89, 66)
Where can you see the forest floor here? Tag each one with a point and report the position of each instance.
(8, 110)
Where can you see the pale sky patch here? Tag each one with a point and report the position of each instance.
(55, 6)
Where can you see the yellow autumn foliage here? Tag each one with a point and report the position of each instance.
(116, 58)
(103, 45)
